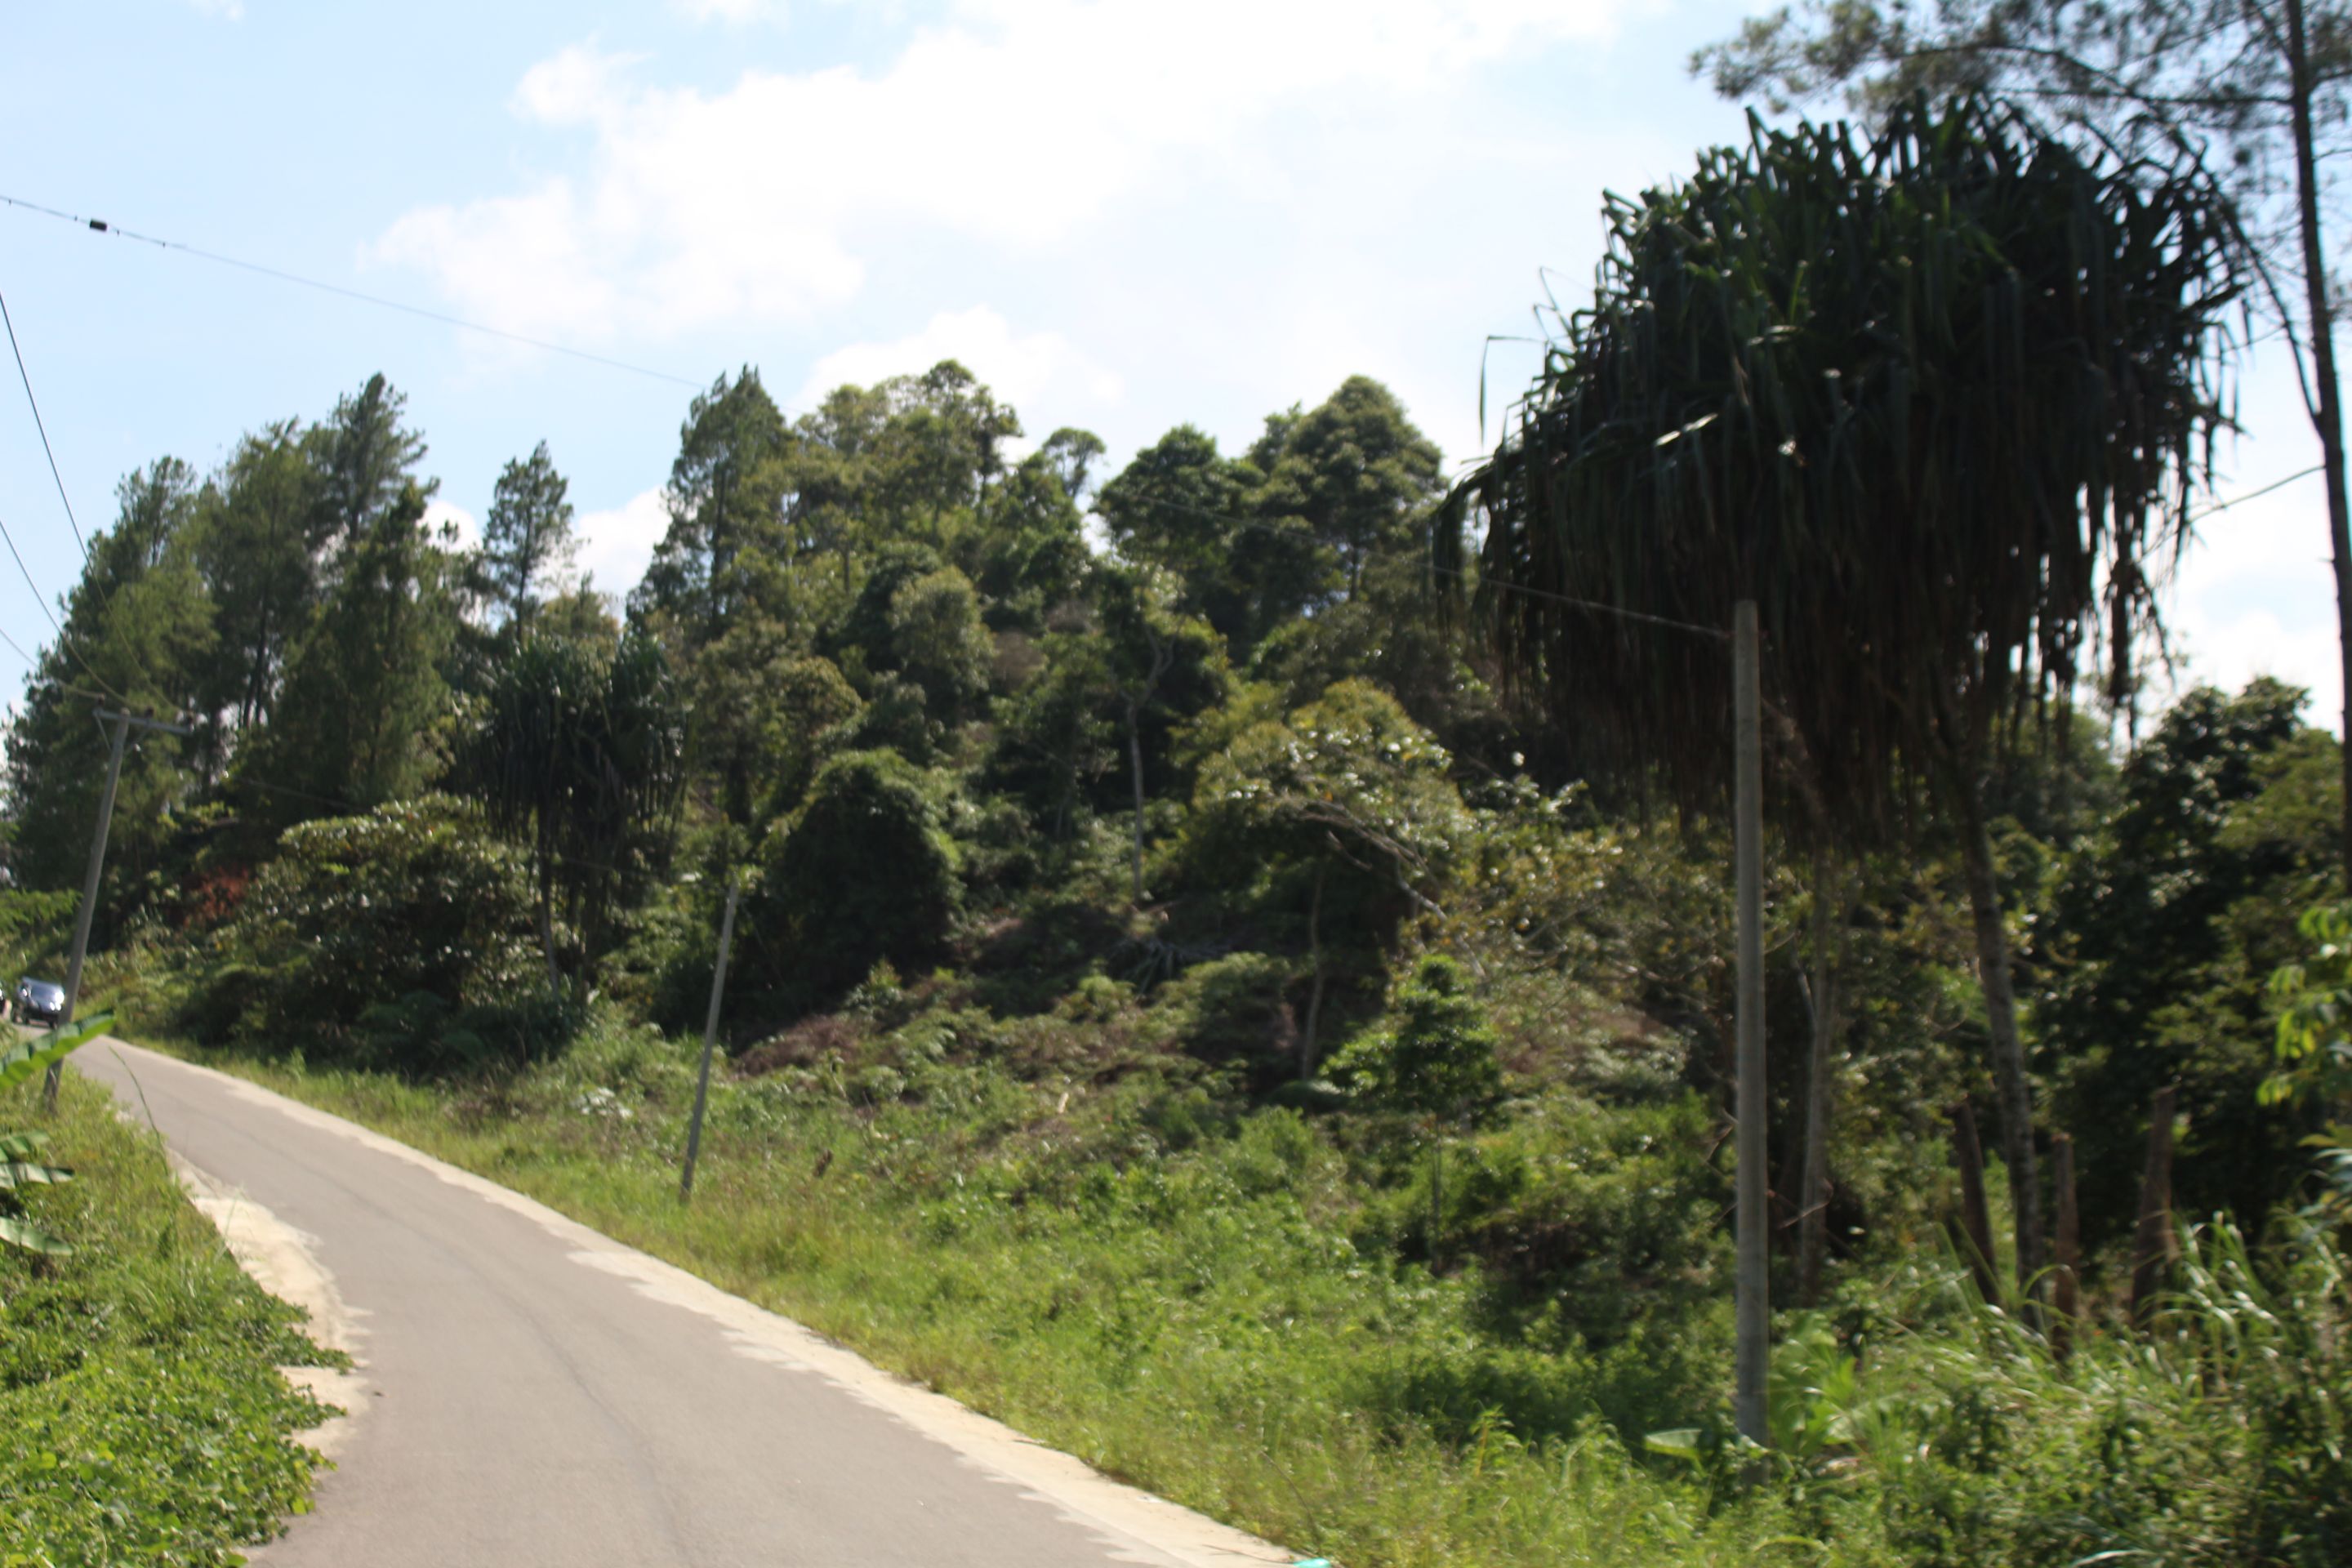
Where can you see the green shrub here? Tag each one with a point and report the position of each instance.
(34, 930)
(863, 873)
(390, 939)
(1229, 1009)
(1434, 1054)
(2224, 1436)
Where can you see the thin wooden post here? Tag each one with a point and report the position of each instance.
(1976, 1216)
(120, 731)
(2152, 1245)
(2069, 1292)
(1753, 1309)
(709, 1040)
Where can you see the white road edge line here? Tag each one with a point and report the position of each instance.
(1083, 1493)
(282, 1261)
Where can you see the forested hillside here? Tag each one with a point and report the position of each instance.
(1175, 867)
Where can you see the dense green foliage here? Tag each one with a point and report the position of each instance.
(24, 1156)
(147, 1420)
(367, 935)
(1233, 1306)
(1223, 1004)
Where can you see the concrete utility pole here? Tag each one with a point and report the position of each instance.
(119, 732)
(1753, 1311)
(709, 1039)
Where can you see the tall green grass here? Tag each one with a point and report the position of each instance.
(142, 1418)
(1220, 1306)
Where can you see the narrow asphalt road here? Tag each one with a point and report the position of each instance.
(529, 1392)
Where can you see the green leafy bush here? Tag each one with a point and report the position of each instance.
(33, 927)
(2224, 1437)
(1229, 1009)
(864, 872)
(2314, 1045)
(1434, 1054)
(396, 939)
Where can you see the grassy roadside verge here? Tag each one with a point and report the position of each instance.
(1197, 1323)
(145, 1415)
(1211, 1300)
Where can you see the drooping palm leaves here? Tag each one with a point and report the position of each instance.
(580, 753)
(1933, 396)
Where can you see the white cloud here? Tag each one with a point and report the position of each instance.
(616, 545)
(2253, 595)
(1013, 123)
(731, 10)
(1028, 371)
(226, 10)
(469, 532)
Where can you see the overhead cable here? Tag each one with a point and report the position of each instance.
(39, 424)
(100, 225)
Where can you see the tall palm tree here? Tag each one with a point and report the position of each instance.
(1935, 396)
(580, 755)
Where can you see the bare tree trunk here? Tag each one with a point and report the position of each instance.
(1976, 1219)
(2325, 399)
(1135, 768)
(2152, 1244)
(1814, 1187)
(2008, 1050)
(1315, 990)
(1436, 1193)
(2067, 1277)
(547, 919)
(584, 922)
(547, 948)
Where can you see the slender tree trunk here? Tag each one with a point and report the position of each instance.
(2152, 1243)
(547, 919)
(1436, 1190)
(584, 922)
(1315, 987)
(2067, 1275)
(2328, 407)
(1976, 1219)
(2008, 1050)
(1813, 1187)
(1788, 1172)
(1135, 771)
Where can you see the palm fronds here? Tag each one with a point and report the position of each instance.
(1934, 396)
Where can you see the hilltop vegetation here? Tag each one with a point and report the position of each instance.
(1187, 997)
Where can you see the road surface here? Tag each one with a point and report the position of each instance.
(528, 1392)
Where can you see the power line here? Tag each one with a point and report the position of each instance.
(100, 225)
(105, 599)
(39, 424)
(2203, 512)
(63, 641)
(1500, 584)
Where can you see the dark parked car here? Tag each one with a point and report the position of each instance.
(39, 1001)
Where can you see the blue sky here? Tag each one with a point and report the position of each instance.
(1124, 216)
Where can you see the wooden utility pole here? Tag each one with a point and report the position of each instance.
(1753, 1309)
(709, 1040)
(117, 728)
